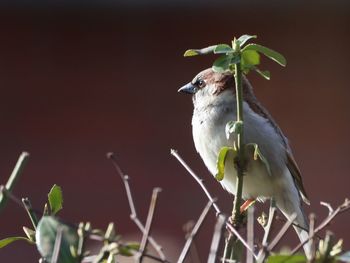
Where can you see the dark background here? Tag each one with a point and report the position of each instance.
(81, 79)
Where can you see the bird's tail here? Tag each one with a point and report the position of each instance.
(290, 208)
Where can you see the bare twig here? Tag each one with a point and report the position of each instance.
(282, 219)
(149, 221)
(219, 228)
(269, 226)
(155, 258)
(194, 255)
(281, 233)
(22, 160)
(32, 215)
(57, 246)
(250, 232)
(196, 177)
(194, 232)
(340, 209)
(133, 214)
(267, 231)
(18, 202)
(266, 249)
(311, 233)
(211, 199)
(330, 208)
(9, 195)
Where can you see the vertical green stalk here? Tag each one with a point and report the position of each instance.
(240, 163)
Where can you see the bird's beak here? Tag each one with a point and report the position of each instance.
(189, 88)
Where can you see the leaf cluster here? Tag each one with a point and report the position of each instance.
(61, 242)
(248, 56)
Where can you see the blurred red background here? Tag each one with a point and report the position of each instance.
(78, 81)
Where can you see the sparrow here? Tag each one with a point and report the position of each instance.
(214, 101)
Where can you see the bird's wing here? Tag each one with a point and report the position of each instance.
(290, 162)
(295, 172)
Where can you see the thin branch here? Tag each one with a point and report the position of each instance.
(269, 226)
(330, 208)
(196, 177)
(250, 232)
(282, 219)
(17, 201)
(194, 255)
(17, 171)
(133, 214)
(267, 231)
(92, 258)
(145, 255)
(31, 213)
(311, 233)
(148, 226)
(211, 199)
(11, 196)
(57, 246)
(266, 250)
(340, 209)
(218, 231)
(280, 234)
(194, 232)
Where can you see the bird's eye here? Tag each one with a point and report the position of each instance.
(201, 83)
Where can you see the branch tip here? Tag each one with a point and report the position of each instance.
(110, 155)
(173, 151)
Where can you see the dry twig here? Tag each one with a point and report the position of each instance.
(218, 212)
(57, 246)
(340, 209)
(219, 228)
(133, 214)
(193, 233)
(250, 232)
(149, 221)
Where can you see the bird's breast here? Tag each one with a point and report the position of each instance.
(208, 128)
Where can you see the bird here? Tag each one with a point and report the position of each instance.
(214, 100)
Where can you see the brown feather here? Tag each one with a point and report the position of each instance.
(295, 172)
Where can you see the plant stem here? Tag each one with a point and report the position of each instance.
(240, 163)
(13, 178)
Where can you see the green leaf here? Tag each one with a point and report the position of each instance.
(274, 55)
(55, 199)
(220, 164)
(29, 233)
(345, 257)
(203, 51)
(265, 74)
(233, 127)
(125, 251)
(223, 49)
(250, 58)
(6, 241)
(298, 258)
(222, 64)
(133, 245)
(191, 53)
(46, 238)
(257, 155)
(244, 38)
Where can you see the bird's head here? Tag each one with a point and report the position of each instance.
(209, 87)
